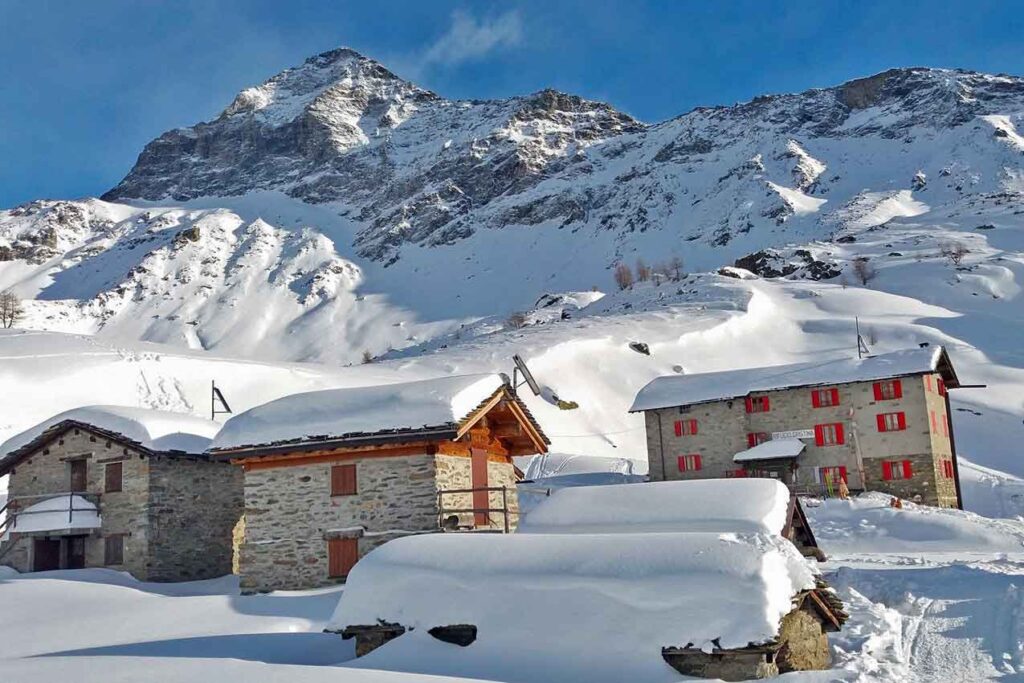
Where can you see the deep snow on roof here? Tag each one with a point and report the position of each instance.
(707, 505)
(675, 390)
(579, 594)
(156, 430)
(57, 513)
(771, 450)
(336, 413)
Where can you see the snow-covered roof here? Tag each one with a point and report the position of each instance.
(675, 390)
(772, 450)
(435, 404)
(581, 593)
(153, 430)
(710, 505)
(57, 513)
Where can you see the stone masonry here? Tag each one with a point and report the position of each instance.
(723, 427)
(170, 509)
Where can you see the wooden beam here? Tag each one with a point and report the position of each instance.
(319, 457)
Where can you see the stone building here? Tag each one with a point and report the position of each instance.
(329, 475)
(880, 423)
(118, 487)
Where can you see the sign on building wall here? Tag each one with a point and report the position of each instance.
(794, 434)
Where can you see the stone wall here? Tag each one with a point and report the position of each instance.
(48, 472)
(290, 514)
(456, 472)
(805, 643)
(194, 505)
(723, 426)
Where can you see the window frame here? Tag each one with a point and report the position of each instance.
(342, 556)
(338, 480)
(904, 467)
(838, 433)
(831, 392)
(113, 541)
(880, 390)
(684, 465)
(883, 421)
(762, 403)
(108, 468)
(687, 427)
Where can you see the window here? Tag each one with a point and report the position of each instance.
(823, 398)
(79, 475)
(686, 427)
(897, 469)
(112, 477)
(690, 463)
(343, 480)
(829, 434)
(342, 555)
(113, 549)
(758, 404)
(736, 474)
(755, 438)
(942, 387)
(831, 476)
(947, 469)
(892, 422)
(888, 390)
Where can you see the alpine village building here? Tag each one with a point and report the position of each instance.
(124, 488)
(880, 423)
(330, 475)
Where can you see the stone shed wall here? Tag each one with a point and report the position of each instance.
(290, 514)
(456, 472)
(193, 508)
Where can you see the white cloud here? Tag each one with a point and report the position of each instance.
(469, 38)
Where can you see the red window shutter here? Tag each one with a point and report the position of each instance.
(693, 426)
(343, 480)
(679, 427)
(342, 555)
(897, 389)
(750, 405)
(878, 390)
(697, 464)
(902, 418)
(819, 435)
(751, 440)
(908, 471)
(881, 422)
(835, 396)
(842, 473)
(942, 387)
(682, 463)
(840, 436)
(815, 399)
(765, 405)
(887, 470)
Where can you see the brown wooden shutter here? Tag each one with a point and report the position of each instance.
(342, 555)
(343, 480)
(112, 477)
(113, 549)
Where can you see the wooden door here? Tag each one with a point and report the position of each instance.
(78, 476)
(481, 499)
(76, 552)
(45, 554)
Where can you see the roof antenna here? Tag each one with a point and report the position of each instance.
(215, 397)
(862, 348)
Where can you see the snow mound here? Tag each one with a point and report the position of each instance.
(60, 512)
(628, 593)
(866, 524)
(433, 403)
(156, 430)
(707, 505)
(675, 390)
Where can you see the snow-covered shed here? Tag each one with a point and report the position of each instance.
(722, 605)
(123, 487)
(331, 474)
(705, 505)
(882, 422)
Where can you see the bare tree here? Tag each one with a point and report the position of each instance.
(11, 310)
(623, 276)
(955, 252)
(864, 271)
(516, 320)
(675, 269)
(643, 271)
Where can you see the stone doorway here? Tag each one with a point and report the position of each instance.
(45, 554)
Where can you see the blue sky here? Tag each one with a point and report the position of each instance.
(84, 85)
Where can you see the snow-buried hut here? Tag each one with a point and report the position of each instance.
(880, 423)
(706, 505)
(329, 475)
(730, 606)
(119, 487)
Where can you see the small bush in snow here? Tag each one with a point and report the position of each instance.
(367, 357)
(623, 276)
(864, 271)
(955, 252)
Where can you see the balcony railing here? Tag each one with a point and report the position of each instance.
(21, 506)
(450, 518)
